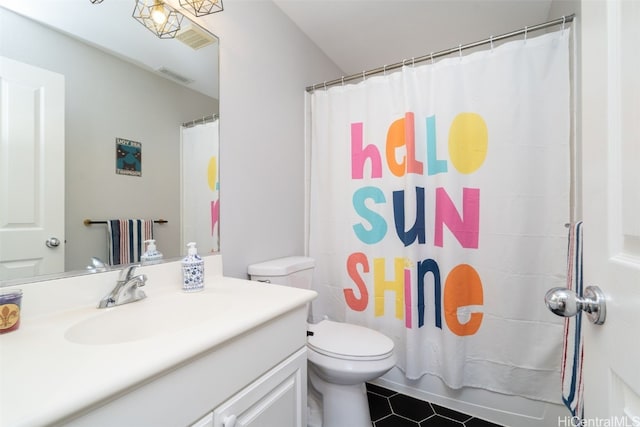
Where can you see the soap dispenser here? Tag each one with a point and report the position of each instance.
(152, 255)
(192, 270)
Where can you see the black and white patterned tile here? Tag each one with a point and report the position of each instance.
(392, 409)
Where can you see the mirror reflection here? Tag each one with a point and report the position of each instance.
(112, 106)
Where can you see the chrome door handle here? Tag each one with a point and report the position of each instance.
(53, 242)
(565, 302)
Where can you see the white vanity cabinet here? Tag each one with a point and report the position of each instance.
(278, 398)
(233, 352)
(258, 378)
(206, 421)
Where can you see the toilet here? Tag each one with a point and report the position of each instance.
(341, 356)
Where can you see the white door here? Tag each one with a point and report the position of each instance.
(31, 170)
(611, 206)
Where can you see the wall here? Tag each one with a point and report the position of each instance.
(265, 64)
(149, 110)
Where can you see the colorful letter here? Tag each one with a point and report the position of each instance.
(424, 267)
(359, 155)
(381, 285)
(402, 133)
(215, 214)
(465, 230)
(355, 303)
(434, 165)
(212, 173)
(463, 288)
(418, 229)
(407, 296)
(468, 142)
(378, 225)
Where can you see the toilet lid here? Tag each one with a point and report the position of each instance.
(346, 341)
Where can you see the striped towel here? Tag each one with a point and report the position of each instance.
(572, 350)
(126, 239)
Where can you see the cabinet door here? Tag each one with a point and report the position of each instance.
(206, 421)
(278, 398)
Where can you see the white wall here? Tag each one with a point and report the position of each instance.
(265, 65)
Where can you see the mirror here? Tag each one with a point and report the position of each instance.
(121, 82)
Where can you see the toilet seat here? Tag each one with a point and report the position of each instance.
(348, 342)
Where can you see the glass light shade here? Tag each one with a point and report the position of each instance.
(158, 17)
(158, 14)
(95, 1)
(202, 7)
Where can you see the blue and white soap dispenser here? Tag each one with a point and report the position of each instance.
(192, 270)
(152, 255)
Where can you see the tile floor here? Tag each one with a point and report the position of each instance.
(391, 409)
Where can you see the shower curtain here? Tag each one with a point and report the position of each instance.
(438, 201)
(201, 187)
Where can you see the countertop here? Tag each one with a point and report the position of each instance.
(45, 375)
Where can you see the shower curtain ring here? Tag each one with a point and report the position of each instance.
(431, 58)
(564, 19)
(413, 61)
(525, 33)
(342, 80)
(364, 77)
(460, 50)
(384, 70)
(491, 40)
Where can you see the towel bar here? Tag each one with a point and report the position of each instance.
(88, 222)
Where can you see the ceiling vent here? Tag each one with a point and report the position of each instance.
(194, 37)
(174, 76)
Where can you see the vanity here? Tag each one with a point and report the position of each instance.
(231, 355)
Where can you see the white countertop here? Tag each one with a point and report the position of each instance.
(45, 376)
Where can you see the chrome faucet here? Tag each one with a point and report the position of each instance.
(97, 265)
(127, 288)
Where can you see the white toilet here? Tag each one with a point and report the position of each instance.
(342, 357)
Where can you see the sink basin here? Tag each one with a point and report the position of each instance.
(146, 318)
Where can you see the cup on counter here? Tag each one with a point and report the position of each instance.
(10, 302)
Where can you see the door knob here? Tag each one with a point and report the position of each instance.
(53, 242)
(565, 302)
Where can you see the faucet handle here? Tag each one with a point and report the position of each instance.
(127, 272)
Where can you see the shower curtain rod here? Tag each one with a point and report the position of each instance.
(565, 19)
(205, 119)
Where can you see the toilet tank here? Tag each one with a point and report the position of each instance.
(295, 271)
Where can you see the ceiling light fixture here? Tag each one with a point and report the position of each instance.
(96, 1)
(202, 7)
(158, 17)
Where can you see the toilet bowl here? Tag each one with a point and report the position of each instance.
(341, 356)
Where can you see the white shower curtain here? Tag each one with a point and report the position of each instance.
(201, 187)
(438, 201)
